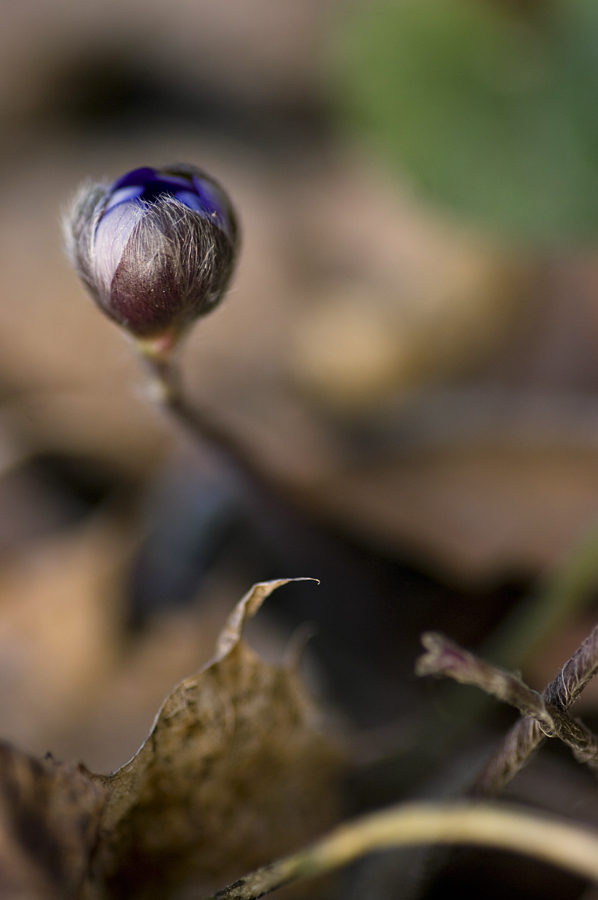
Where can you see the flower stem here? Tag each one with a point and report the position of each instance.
(168, 390)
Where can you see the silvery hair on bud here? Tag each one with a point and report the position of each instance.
(172, 266)
(79, 223)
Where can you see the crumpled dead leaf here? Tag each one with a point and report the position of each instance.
(235, 772)
(49, 817)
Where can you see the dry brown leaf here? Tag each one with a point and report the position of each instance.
(235, 772)
(49, 817)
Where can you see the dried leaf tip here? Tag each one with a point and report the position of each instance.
(245, 609)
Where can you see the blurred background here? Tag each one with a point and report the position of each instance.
(409, 346)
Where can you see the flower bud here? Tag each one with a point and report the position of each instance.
(155, 249)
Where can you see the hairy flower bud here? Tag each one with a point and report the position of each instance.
(155, 249)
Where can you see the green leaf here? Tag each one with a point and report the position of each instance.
(492, 113)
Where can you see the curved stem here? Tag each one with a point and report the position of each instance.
(202, 425)
(546, 838)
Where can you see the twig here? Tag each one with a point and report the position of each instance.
(548, 710)
(526, 736)
(535, 620)
(547, 838)
(575, 674)
(444, 657)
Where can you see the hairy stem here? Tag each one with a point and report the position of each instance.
(526, 735)
(445, 658)
(203, 426)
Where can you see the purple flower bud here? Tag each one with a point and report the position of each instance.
(156, 249)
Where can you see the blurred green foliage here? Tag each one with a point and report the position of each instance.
(490, 106)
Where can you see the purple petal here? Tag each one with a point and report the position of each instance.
(136, 177)
(213, 204)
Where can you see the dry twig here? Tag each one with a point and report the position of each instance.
(545, 714)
